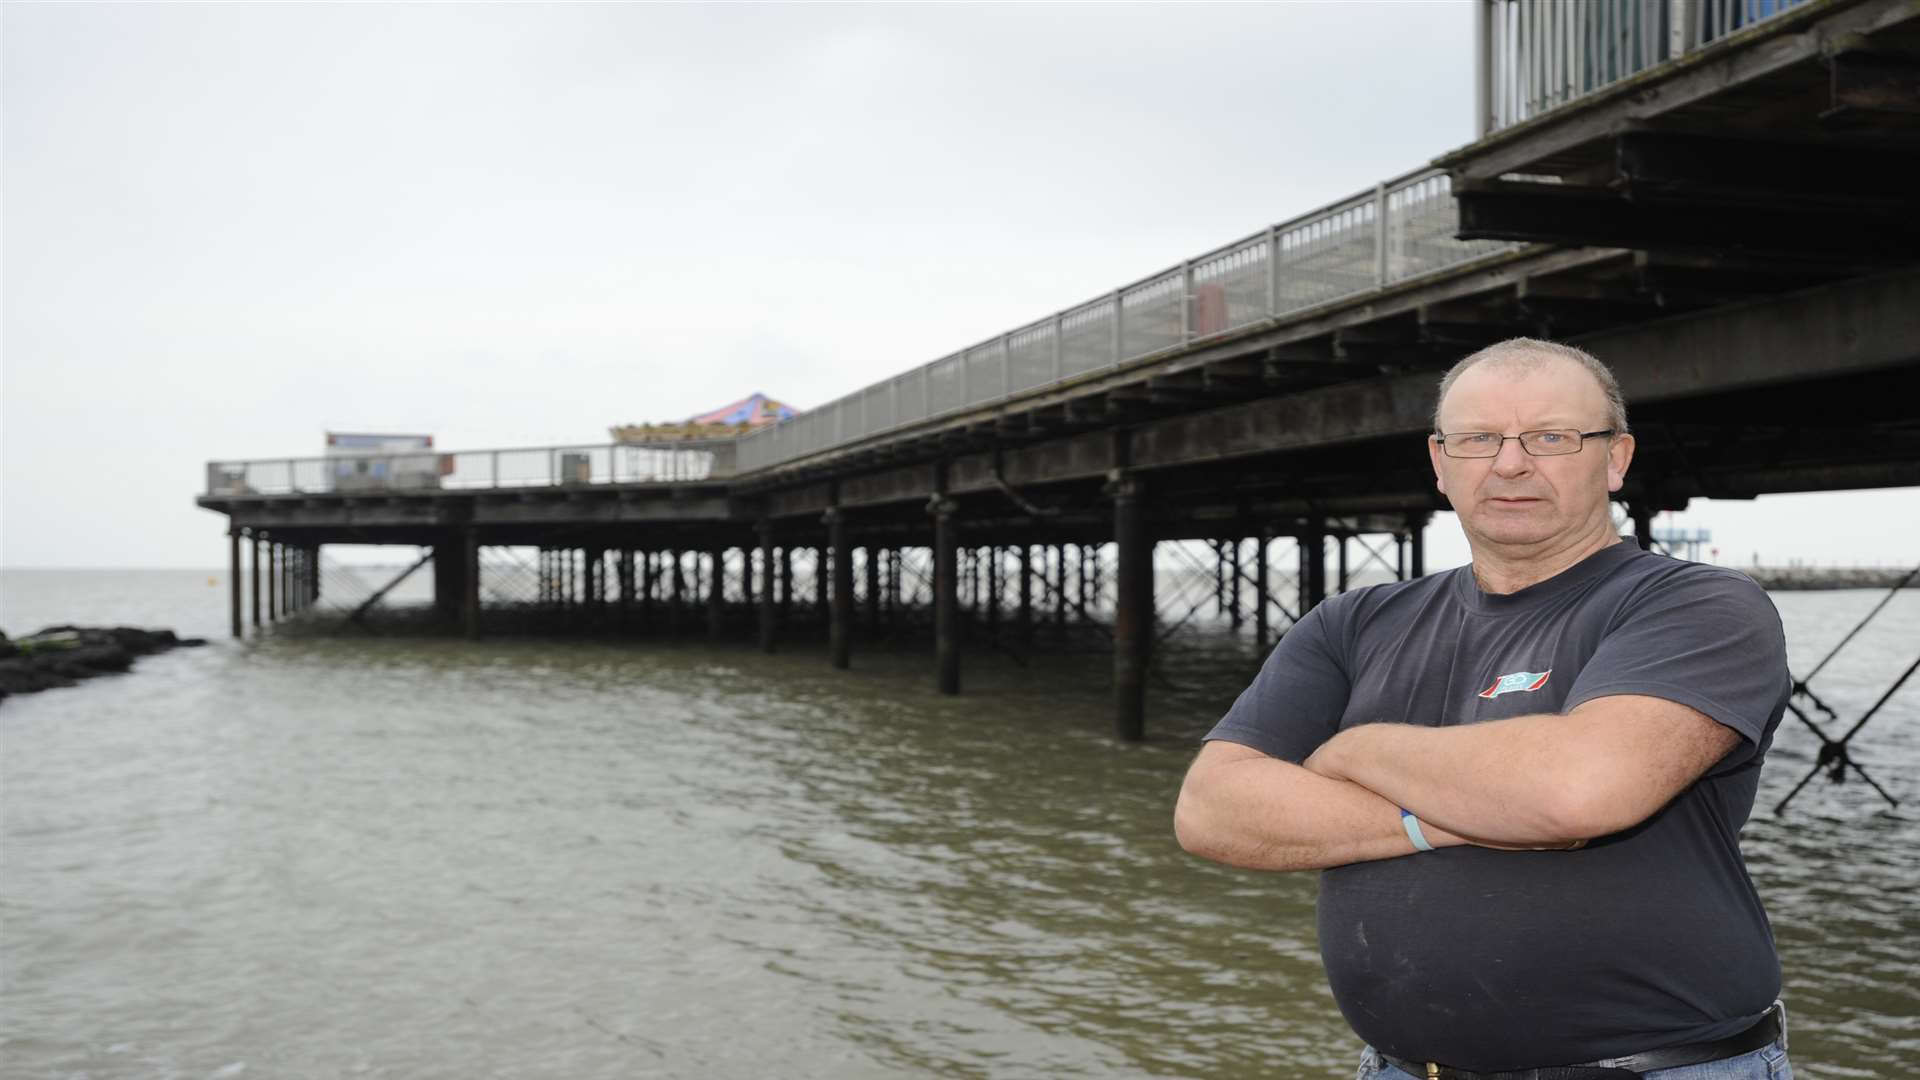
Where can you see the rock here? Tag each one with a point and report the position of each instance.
(61, 656)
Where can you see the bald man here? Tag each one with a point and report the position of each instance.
(1523, 779)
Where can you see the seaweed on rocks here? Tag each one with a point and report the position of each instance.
(61, 656)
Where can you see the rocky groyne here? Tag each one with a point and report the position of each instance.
(63, 655)
(1795, 578)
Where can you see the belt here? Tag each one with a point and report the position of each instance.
(1763, 1032)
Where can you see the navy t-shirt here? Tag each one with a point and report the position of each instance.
(1490, 960)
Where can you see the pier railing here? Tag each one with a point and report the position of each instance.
(1537, 55)
(523, 467)
(1402, 229)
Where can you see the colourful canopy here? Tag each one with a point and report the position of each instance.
(753, 410)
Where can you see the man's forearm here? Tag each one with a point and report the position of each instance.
(1503, 781)
(1246, 809)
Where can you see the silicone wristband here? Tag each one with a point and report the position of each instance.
(1412, 825)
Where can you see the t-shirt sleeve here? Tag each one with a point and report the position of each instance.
(1711, 641)
(1295, 703)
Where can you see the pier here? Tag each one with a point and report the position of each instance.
(1722, 203)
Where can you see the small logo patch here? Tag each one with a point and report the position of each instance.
(1517, 682)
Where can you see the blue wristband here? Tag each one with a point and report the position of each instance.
(1412, 825)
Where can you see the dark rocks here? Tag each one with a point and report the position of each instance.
(63, 655)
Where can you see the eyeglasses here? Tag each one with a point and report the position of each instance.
(1551, 442)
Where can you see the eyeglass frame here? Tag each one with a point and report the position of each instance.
(1441, 438)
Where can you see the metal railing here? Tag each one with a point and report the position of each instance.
(1402, 229)
(545, 466)
(1536, 55)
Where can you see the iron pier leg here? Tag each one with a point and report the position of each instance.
(1341, 539)
(786, 584)
(1219, 579)
(1080, 577)
(1313, 565)
(471, 602)
(767, 583)
(233, 576)
(1026, 595)
(716, 593)
(1060, 590)
(840, 616)
(1417, 544)
(1133, 609)
(258, 545)
(1260, 589)
(1642, 515)
(674, 606)
(870, 566)
(993, 591)
(1234, 581)
(946, 595)
(273, 581)
(313, 569)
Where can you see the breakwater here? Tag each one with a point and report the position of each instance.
(1811, 578)
(61, 656)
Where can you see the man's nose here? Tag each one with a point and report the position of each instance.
(1512, 460)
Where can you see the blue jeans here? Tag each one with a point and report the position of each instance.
(1767, 1063)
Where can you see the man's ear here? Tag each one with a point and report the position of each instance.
(1433, 457)
(1619, 457)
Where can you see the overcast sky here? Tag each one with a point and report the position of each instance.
(229, 228)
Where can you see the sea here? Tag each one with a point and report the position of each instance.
(333, 852)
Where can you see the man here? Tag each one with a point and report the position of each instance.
(1523, 779)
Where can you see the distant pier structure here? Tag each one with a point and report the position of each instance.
(1720, 198)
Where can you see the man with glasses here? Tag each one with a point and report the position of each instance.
(1523, 779)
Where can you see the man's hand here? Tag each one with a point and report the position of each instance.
(1534, 781)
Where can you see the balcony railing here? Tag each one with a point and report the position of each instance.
(1537, 55)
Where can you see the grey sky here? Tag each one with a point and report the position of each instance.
(229, 228)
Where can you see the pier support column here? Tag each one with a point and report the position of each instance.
(767, 600)
(871, 567)
(822, 576)
(840, 621)
(946, 593)
(273, 581)
(1234, 581)
(1313, 565)
(649, 575)
(313, 575)
(470, 603)
(786, 584)
(1060, 590)
(1260, 593)
(678, 585)
(1642, 515)
(258, 546)
(716, 593)
(1340, 537)
(233, 577)
(1026, 595)
(1417, 545)
(993, 591)
(1133, 608)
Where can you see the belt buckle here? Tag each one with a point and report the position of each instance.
(1433, 1070)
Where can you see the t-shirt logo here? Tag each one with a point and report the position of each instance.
(1516, 682)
